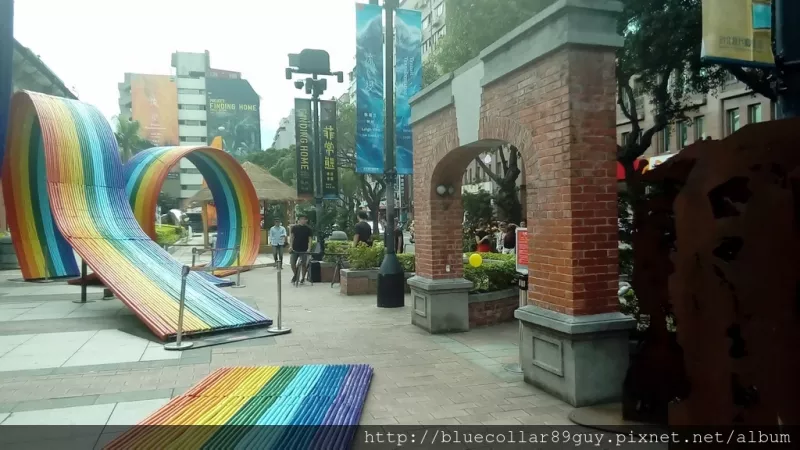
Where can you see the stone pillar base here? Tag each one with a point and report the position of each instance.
(440, 306)
(580, 359)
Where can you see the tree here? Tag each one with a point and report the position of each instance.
(129, 139)
(477, 208)
(280, 163)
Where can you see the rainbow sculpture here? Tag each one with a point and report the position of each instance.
(65, 192)
(239, 218)
(315, 407)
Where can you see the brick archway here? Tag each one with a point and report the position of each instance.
(547, 88)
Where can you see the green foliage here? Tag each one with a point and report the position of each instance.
(494, 256)
(477, 208)
(129, 139)
(494, 276)
(280, 163)
(341, 247)
(408, 261)
(362, 257)
(168, 234)
(473, 25)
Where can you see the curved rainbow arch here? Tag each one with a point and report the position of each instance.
(239, 217)
(65, 193)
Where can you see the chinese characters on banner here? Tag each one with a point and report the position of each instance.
(330, 174)
(369, 89)
(738, 31)
(408, 82)
(303, 147)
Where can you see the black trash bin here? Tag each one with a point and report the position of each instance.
(315, 272)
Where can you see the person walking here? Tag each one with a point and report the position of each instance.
(300, 240)
(399, 239)
(277, 239)
(363, 231)
(482, 238)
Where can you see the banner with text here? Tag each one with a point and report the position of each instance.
(369, 89)
(303, 135)
(408, 82)
(738, 31)
(234, 114)
(330, 168)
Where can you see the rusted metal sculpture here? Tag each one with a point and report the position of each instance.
(735, 289)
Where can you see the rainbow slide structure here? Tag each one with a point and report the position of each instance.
(66, 192)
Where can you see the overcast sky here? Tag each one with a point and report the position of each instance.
(90, 44)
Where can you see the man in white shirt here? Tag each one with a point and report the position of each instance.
(277, 239)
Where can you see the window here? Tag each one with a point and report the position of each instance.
(189, 91)
(470, 175)
(731, 120)
(440, 9)
(192, 122)
(665, 138)
(478, 173)
(699, 128)
(184, 138)
(754, 113)
(683, 134)
(193, 107)
(195, 170)
(625, 137)
(426, 22)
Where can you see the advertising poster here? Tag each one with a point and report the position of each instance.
(154, 104)
(369, 89)
(738, 32)
(330, 172)
(303, 135)
(408, 82)
(234, 114)
(522, 250)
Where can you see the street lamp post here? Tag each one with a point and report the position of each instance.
(787, 56)
(315, 63)
(391, 279)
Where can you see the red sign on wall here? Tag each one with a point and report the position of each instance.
(522, 250)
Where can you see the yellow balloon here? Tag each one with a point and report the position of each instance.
(475, 260)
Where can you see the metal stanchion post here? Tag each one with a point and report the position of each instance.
(522, 283)
(83, 299)
(278, 326)
(194, 255)
(179, 344)
(238, 270)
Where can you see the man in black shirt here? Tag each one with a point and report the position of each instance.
(363, 230)
(301, 246)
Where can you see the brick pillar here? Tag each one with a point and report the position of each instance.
(572, 215)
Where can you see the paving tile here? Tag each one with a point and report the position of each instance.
(131, 413)
(54, 403)
(132, 396)
(79, 415)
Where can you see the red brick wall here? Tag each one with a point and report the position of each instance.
(494, 312)
(560, 113)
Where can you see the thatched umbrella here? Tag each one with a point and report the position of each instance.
(268, 189)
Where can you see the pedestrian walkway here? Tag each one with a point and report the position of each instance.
(56, 356)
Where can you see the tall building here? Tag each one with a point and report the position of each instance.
(434, 17)
(191, 107)
(285, 137)
(716, 116)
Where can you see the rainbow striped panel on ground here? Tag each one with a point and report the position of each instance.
(315, 407)
(235, 198)
(64, 189)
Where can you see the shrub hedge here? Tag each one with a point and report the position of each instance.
(168, 234)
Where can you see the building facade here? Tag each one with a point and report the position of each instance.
(181, 102)
(711, 116)
(285, 137)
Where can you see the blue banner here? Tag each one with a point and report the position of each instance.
(408, 82)
(6, 58)
(369, 89)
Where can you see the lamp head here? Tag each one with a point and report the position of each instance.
(441, 189)
(298, 84)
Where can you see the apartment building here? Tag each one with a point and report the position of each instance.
(285, 137)
(715, 116)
